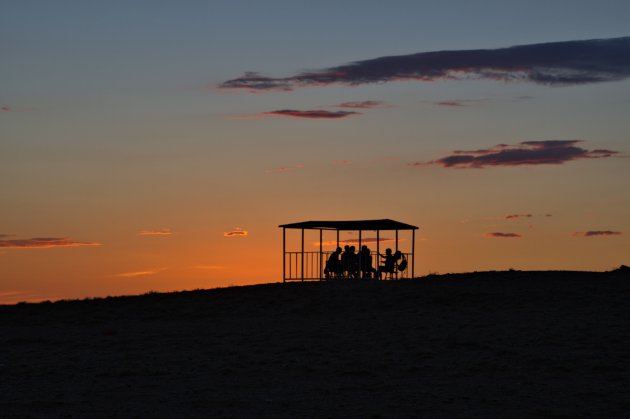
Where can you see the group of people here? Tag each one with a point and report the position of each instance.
(349, 264)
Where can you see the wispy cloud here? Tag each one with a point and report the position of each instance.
(139, 273)
(449, 103)
(237, 232)
(514, 216)
(350, 242)
(311, 114)
(500, 235)
(523, 153)
(44, 243)
(366, 104)
(161, 232)
(597, 233)
(458, 103)
(285, 169)
(554, 63)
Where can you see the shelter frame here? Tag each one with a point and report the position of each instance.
(309, 266)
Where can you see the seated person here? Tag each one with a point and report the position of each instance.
(353, 271)
(333, 267)
(389, 263)
(366, 262)
(345, 261)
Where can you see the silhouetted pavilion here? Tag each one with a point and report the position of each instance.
(310, 265)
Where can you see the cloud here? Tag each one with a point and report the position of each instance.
(285, 169)
(499, 235)
(6, 109)
(312, 114)
(458, 103)
(139, 273)
(366, 104)
(596, 233)
(513, 216)
(350, 242)
(43, 243)
(523, 153)
(237, 232)
(554, 63)
(450, 103)
(162, 232)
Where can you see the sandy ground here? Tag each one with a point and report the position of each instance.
(505, 344)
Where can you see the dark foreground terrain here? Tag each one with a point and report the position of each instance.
(495, 344)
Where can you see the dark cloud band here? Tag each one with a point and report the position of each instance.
(314, 114)
(597, 233)
(500, 235)
(524, 153)
(554, 63)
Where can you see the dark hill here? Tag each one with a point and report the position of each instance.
(492, 344)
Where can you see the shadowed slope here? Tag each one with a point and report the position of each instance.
(481, 344)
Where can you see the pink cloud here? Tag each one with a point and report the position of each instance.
(43, 243)
(237, 232)
(366, 104)
(139, 273)
(161, 232)
(458, 103)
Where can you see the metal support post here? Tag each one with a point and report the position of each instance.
(413, 253)
(396, 252)
(321, 255)
(302, 260)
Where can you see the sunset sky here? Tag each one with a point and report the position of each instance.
(154, 145)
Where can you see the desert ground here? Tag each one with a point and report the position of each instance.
(491, 344)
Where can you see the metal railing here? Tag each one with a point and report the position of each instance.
(309, 266)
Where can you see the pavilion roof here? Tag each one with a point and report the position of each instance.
(354, 225)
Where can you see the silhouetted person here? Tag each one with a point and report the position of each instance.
(366, 262)
(353, 259)
(333, 267)
(345, 260)
(389, 263)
